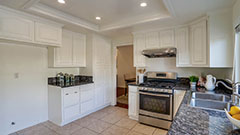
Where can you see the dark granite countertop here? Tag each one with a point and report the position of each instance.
(195, 121)
(79, 80)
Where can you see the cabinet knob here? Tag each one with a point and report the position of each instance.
(75, 92)
(66, 94)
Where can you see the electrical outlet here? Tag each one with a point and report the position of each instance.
(16, 75)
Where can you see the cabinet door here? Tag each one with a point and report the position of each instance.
(79, 50)
(139, 46)
(71, 112)
(183, 49)
(86, 94)
(198, 42)
(107, 85)
(48, 34)
(71, 96)
(152, 40)
(15, 27)
(63, 55)
(87, 107)
(133, 105)
(167, 38)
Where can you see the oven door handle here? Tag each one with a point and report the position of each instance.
(150, 94)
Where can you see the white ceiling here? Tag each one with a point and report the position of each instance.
(120, 17)
(112, 12)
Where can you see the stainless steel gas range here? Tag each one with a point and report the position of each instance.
(156, 99)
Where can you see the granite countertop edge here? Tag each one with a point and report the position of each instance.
(78, 84)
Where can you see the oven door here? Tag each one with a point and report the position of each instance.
(156, 105)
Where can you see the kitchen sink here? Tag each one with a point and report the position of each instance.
(211, 96)
(210, 101)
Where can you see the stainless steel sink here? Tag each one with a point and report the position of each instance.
(210, 96)
(210, 101)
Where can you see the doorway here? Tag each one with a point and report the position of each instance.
(126, 73)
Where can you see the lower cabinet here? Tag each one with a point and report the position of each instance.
(68, 104)
(133, 102)
(178, 97)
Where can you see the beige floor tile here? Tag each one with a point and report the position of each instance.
(84, 131)
(37, 130)
(98, 126)
(134, 133)
(112, 118)
(144, 129)
(126, 123)
(98, 114)
(109, 109)
(115, 130)
(84, 122)
(160, 132)
(64, 130)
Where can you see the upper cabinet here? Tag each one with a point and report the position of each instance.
(49, 34)
(198, 42)
(167, 38)
(139, 45)
(72, 53)
(9, 31)
(16, 26)
(152, 40)
(221, 38)
(183, 47)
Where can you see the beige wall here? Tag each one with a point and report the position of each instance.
(125, 63)
(23, 99)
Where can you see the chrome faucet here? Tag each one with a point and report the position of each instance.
(235, 86)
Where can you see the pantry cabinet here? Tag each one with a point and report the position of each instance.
(30, 30)
(198, 42)
(71, 54)
(133, 102)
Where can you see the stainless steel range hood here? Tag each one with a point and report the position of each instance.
(160, 53)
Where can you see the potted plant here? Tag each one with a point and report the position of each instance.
(193, 81)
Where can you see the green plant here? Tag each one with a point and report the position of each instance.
(193, 78)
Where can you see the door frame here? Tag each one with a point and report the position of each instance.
(114, 69)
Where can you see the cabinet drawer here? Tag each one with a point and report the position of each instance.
(87, 106)
(86, 95)
(71, 96)
(71, 112)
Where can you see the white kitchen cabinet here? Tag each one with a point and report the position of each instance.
(139, 45)
(183, 48)
(87, 99)
(220, 39)
(72, 53)
(167, 38)
(152, 40)
(133, 102)
(48, 34)
(8, 30)
(178, 97)
(198, 43)
(63, 104)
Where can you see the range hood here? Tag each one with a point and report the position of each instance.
(160, 53)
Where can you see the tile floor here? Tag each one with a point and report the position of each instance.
(108, 121)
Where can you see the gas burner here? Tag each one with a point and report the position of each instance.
(157, 84)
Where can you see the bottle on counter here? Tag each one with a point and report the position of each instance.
(72, 79)
(67, 79)
(60, 79)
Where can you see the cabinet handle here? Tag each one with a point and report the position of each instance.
(66, 94)
(75, 92)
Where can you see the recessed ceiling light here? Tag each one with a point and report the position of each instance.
(98, 18)
(143, 4)
(61, 1)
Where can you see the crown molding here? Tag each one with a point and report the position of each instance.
(30, 3)
(48, 11)
(169, 6)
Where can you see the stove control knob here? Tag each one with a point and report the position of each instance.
(153, 89)
(146, 89)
